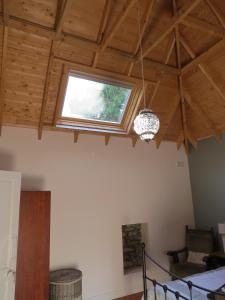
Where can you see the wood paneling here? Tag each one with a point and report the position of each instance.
(32, 274)
(83, 29)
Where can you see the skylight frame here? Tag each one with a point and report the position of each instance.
(102, 77)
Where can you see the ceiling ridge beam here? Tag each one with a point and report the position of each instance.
(201, 25)
(173, 23)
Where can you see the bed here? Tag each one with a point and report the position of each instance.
(212, 280)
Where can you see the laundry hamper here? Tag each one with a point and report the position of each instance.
(66, 284)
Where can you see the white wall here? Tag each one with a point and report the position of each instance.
(96, 189)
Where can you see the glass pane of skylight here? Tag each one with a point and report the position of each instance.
(92, 100)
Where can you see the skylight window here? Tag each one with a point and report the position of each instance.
(89, 99)
(97, 100)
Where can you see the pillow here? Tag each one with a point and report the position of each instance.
(196, 257)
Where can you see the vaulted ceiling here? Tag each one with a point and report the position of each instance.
(183, 48)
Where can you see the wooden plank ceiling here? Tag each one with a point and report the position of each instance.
(184, 59)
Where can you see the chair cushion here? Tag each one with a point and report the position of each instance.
(196, 257)
(187, 269)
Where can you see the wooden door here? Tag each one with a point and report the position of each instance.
(32, 276)
(9, 219)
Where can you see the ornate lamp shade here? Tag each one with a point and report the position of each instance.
(146, 125)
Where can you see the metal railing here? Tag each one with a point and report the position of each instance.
(190, 285)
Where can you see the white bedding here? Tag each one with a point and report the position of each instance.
(211, 280)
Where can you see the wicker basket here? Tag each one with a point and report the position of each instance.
(66, 284)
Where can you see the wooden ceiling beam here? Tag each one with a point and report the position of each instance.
(84, 43)
(170, 115)
(116, 25)
(193, 105)
(107, 39)
(66, 6)
(45, 92)
(183, 112)
(75, 136)
(171, 26)
(202, 115)
(147, 19)
(5, 10)
(204, 71)
(102, 27)
(192, 139)
(107, 138)
(180, 140)
(134, 140)
(198, 24)
(217, 12)
(187, 47)
(180, 82)
(202, 57)
(76, 41)
(165, 60)
(213, 83)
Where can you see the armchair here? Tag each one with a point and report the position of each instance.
(199, 244)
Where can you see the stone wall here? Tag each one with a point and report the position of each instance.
(132, 239)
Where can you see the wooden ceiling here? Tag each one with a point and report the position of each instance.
(184, 59)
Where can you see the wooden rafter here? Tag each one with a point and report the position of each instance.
(213, 83)
(217, 12)
(75, 136)
(134, 139)
(180, 140)
(5, 9)
(66, 5)
(204, 56)
(76, 41)
(65, 9)
(192, 139)
(107, 39)
(147, 19)
(169, 118)
(186, 133)
(102, 28)
(107, 138)
(204, 71)
(201, 115)
(45, 93)
(175, 20)
(203, 26)
(165, 60)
